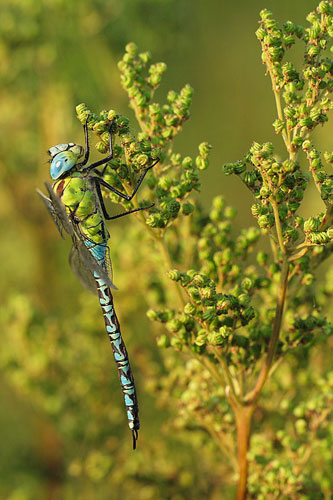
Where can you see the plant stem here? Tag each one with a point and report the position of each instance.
(278, 225)
(169, 265)
(227, 374)
(254, 395)
(243, 423)
(244, 412)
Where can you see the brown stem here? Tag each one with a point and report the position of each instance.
(243, 422)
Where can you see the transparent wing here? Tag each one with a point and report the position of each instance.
(83, 263)
(58, 221)
(84, 274)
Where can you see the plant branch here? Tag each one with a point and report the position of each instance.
(254, 395)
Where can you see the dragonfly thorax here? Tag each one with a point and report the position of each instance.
(64, 158)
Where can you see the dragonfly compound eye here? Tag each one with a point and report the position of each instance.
(62, 162)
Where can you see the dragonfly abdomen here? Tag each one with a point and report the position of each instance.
(120, 355)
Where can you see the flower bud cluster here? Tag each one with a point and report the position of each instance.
(130, 156)
(322, 179)
(208, 318)
(273, 183)
(308, 433)
(161, 122)
(308, 331)
(173, 188)
(197, 397)
(306, 93)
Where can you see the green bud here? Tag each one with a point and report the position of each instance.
(306, 122)
(301, 426)
(201, 163)
(163, 341)
(176, 344)
(82, 112)
(216, 215)
(187, 163)
(261, 33)
(324, 7)
(230, 212)
(216, 338)
(172, 96)
(131, 48)
(155, 220)
(278, 126)
(173, 325)
(318, 238)
(311, 224)
(173, 208)
(266, 221)
(101, 147)
(299, 30)
(165, 182)
(262, 258)
(321, 176)
(264, 192)
(313, 51)
(189, 309)
(204, 149)
(239, 167)
(315, 30)
(145, 57)
(244, 299)
(289, 40)
(228, 168)
(187, 208)
(201, 338)
(276, 53)
(199, 280)
(289, 27)
(194, 294)
(174, 275)
(209, 314)
(307, 279)
(265, 14)
(151, 314)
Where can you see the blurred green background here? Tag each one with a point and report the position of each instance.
(63, 432)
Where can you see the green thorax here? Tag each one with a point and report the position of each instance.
(79, 199)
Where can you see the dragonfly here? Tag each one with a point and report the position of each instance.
(77, 207)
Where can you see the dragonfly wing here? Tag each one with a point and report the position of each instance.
(108, 267)
(83, 263)
(85, 276)
(84, 266)
(48, 203)
(59, 210)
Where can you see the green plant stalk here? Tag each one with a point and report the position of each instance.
(244, 412)
(233, 396)
(278, 225)
(226, 450)
(168, 265)
(253, 397)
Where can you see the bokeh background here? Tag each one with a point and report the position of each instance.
(62, 430)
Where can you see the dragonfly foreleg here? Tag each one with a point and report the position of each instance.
(103, 208)
(119, 193)
(86, 154)
(104, 160)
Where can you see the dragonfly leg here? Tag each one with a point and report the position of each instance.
(105, 213)
(119, 193)
(104, 160)
(86, 154)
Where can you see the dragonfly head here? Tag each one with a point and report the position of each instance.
(63, 158)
